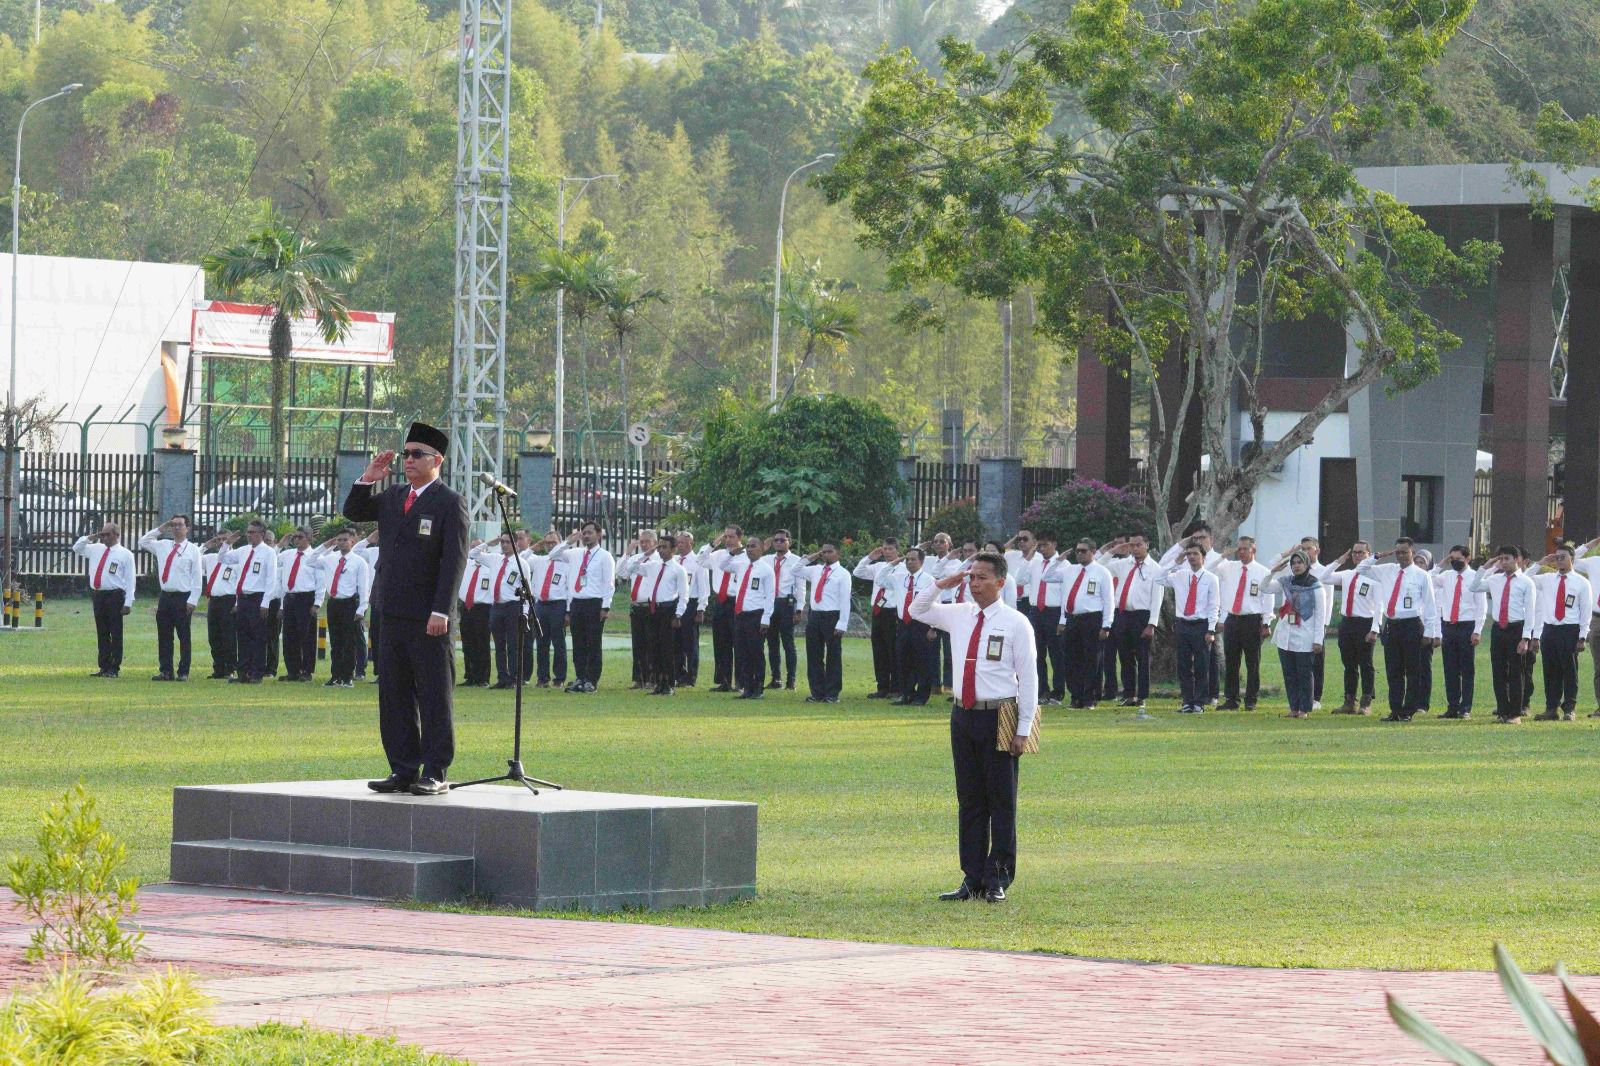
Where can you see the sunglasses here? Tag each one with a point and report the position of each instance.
(416, 453)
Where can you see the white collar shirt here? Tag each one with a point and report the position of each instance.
(719, 581)
(177, 565)
(1513, 596)
(1243, 587)
(1457, 600)
(221, 578)
(475, 583)
(942, 566)
(1146, 589)
(594, 572)
(258, 569)
(885, 578)
(1570, 595)
(1357, 593)
(1045, 580)
(1589, 567)
(785, 569)
(1025, 568)
(632, 569)
(301, 578)
(550, 578)
(110, 567)
(366, 552)
(752, 586)
(1088, 587)
(1005, 663)
(694, 566)
(348, 575)
(910, 585)
(1410, 591)
(1194, 594)
(665, 584)
(828, 589)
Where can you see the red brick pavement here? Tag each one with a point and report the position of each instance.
(503, 990)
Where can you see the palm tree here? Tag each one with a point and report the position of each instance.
(296, 277)
(587, 277)
(627, 299)
(823, 317)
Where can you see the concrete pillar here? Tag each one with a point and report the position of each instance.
(175, 482)
(1103, 437)
(536, 489)
(953, 434)
(906, 467)
(1582, 489)
(1523, 333)
(1000, 495)
(347, 468)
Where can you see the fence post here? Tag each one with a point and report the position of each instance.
(906, 467)
(536, 489)
(1000, 495)
(175, 482)
(347, 467)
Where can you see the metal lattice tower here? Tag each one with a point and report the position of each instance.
(483, 201)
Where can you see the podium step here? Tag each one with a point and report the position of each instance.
(367, 873)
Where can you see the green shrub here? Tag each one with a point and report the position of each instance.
(959, 518)
(159, 1021)
(71, 888)
(1092, 509)
(301, 1045)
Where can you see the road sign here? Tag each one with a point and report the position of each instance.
(639, 434)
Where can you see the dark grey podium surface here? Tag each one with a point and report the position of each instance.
(561, 849)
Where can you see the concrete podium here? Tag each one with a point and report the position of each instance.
(559, 850)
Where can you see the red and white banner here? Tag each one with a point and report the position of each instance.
(242, 330)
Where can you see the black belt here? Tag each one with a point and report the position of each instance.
(986, 705)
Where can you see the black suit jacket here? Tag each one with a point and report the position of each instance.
(423, 552)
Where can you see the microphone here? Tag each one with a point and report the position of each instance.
(500, 488)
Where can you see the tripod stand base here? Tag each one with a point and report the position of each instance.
(514, 773)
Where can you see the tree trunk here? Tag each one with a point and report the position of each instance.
(279, 344)
(622, 366)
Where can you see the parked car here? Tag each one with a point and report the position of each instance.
(307, 499)
(610, 495)
(49, 511)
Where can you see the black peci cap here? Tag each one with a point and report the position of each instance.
(422, 433)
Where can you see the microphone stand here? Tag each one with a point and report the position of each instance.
(525, 623)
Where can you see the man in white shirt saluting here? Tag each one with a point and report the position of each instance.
(995, 678)
(111, 591)
(179, 575)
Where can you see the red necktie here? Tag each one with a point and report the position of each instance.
(911, 586)
(1394, 594)
(583, 568)
(822, 583)
(246, 571)
(1561, 598)
(657, 586)
(293, 570)
(633, 593)
(1350, 595)
(1127, 583)
(969, 673)
(744, 583)
(101, 569)
(1455, 601)
(1039, 601)
(1072, 597)
(411, 498)
(501, 576)
(1505, 603)
(472, 586)
(1238, 595)
(722, 593)
(166, 567)
(877, 601)
(549, 572)
(777, 575)
(216, 571)
(333, 587)
(1194, 590)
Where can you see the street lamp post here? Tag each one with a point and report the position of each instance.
(777, 271)
(13, 415)
(561, 292)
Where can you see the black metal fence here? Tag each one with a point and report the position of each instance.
(229, 485)
(622, 497)
(935, 484)
(1040, 481)
(64, 495)
(1483, 506)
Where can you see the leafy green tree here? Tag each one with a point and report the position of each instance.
(626, 299)
(1219, 197)
(296, 276)
(822, 316)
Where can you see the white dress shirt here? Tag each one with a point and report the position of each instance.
(719, 582)
(305, 576)
(910, 586)
(1005, 666)
(1290, 632)
(631, 570)
(220, 578)
(830, 595)
(1045, 588)
(257, 568)
(1089, 588)
(751, 588)
(1025, 568)
(1589, 567)
(1522, 606)
(559, 572)
(1457, 600)
(1357, 593)
(1203, 583)
(694, 565)
(785, 569)
(117, 571)
(1414, 598)
(1574, 598)
(941, 567)
(1145, 593)
(1254, 575)
(177, 565)
(665, 584)
(354, 579)
(885, 578)
(594, 572)
(475, 582)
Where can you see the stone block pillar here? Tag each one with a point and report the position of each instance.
(1103, 436)
(536, 482)
(347, 468)
(1000, 495)
(175, 483)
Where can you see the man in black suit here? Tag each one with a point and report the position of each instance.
(422, 531)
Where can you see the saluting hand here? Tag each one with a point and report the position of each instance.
(378, 469)
(950, 581)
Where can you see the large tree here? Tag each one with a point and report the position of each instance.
(1172, 178)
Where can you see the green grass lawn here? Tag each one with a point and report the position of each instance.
(1227, 837)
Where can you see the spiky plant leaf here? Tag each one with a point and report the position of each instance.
(1559, 1042)
(1423, 1032)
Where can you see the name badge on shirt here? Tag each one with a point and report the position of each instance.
(997, 643)
(1255, 588)
(111, 567)
(1361, 589)
(555, 579)
(255, 568)
(755, 583)
(1572, 601)
(484, 584)
(1406, 603)
(1091, 588)
(227, 573)
(425, 527)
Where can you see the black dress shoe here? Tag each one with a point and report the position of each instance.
(429, 786)
(1395, 718)
(877, 695)
(216, 677)
(504, 684)
(966, 891)
(789, 685)
(994, 895)
(330, 683)
(181, 677)
(162, 677)
(98, 673)
(392, 783)
(729, 688)
(814, 699)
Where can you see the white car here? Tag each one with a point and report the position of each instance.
(307, 499)
(49, 511)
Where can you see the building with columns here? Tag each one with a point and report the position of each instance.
(1387, 465)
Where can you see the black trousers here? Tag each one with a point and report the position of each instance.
(344, 633)
(1080, 646)
(172, 619)
(780, 634)
(274, 629)
(1133, 649)
(505, 623)
(1559, 646)
(1194, 656)
(220, 636)
(1241, 636)
(824, 671)
(986, 799)
(416, 697)
(918, 662)
(749, 662)
(688, 661)
(552, 640)
(586, 632)
(884, 670)
(1460, 666)
(1528, 672)
(1213, 686)
(722, 643)
(1319, 664)
(639, 642)
(250, 626)
(108, 628)
(374, 634)
(1403, 665)
(1107, 687)
(299, 634)
(475, 654)
(1050, 652)
(1425, 689)
(1356, 655)
(662, 642)
(1510, 687)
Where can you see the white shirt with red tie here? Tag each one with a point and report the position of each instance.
(593, 570)
(826, 587)
(1243, 587)
(665, 585)
(550, 578)
(474, 589)
(1457, 600)
(1087, 589)
(177, 564)
(297, 572)
(1194, 594)
(996, 644)
(220, 578)
(257, 569)
(752, 585)
(347, 576)
(885, 578)
(1513, 599)
(1403, 593)
(1357, 593)
(631, 571)
(1563, 600)
(110, 567)
(1145, 590)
